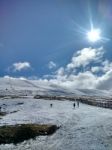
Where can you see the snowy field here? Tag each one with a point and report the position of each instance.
(83, 128)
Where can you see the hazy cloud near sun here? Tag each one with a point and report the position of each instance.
(51, 65)
(19, 66)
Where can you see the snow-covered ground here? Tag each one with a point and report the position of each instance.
(83, 128)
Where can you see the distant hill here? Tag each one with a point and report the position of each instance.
(16, 86)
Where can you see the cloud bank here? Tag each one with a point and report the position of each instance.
(88, 69)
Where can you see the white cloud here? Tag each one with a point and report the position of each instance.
(74, 81)
(105, 81)
(85, 57)
(80, 81)
(8, 77)
(51, 65)
(107, 66)
(21, 66)
(96, 69)
(60, 71)
(14, 78)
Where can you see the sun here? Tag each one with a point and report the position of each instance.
(94, 35)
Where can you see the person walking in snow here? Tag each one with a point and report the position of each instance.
(74, 105)
(51, 105)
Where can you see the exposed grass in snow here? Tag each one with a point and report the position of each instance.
(3, 113)
(18, 133)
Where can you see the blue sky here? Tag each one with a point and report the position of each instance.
(44, 35)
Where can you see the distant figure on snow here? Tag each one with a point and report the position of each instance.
(74, 105)
(51, 105)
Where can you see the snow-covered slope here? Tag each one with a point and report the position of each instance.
(16, 86)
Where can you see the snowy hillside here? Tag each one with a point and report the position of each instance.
(16, 86)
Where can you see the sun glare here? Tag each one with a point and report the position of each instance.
(94, 35)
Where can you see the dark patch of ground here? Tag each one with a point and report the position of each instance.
(2, 113)
(14, 111)
(18, 133)
(21, 103)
